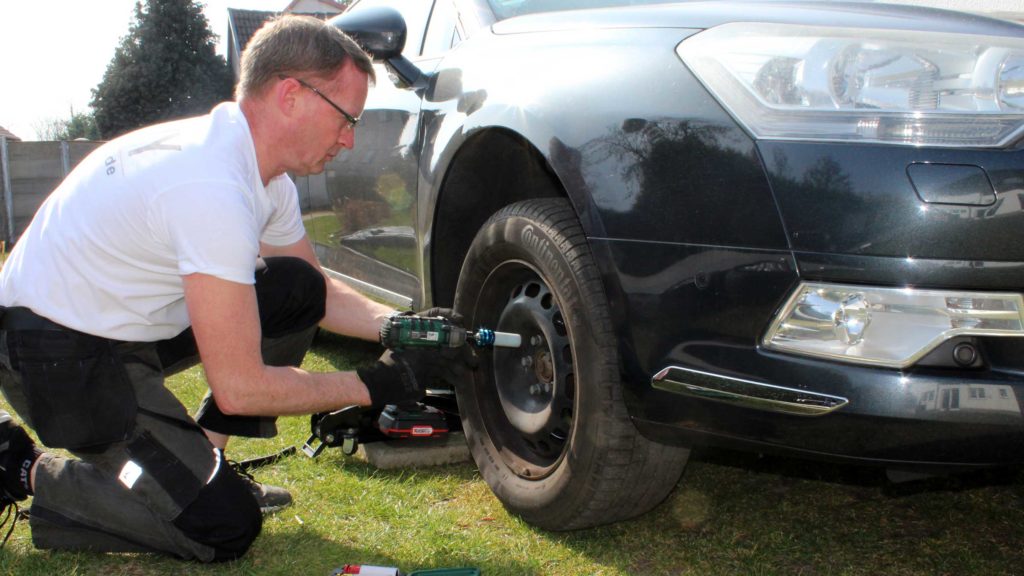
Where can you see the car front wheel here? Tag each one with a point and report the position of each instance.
(545, 422)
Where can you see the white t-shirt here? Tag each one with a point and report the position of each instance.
(106, 252)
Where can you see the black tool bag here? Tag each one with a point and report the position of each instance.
(78, 392)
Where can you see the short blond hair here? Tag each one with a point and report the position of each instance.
(293, 44)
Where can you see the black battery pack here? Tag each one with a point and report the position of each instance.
(415, 421)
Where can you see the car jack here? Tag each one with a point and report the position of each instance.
(351, 426)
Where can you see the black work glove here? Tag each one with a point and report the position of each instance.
(400, 377)
(459, 362)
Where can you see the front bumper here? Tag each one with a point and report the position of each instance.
(702, 310)
(865, 414)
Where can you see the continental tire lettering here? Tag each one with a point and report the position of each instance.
(546, 253)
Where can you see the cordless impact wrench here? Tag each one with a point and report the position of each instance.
(410, 331)
(350, 426)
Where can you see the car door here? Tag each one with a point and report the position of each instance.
(368, 236)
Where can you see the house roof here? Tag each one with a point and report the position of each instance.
(328, 6)
(8, 134)
(242, 24)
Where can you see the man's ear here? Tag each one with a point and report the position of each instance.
(285, 95)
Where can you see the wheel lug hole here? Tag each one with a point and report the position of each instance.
(536, 340)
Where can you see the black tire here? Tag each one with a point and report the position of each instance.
(550, 433)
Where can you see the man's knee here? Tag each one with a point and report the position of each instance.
(292, 296)
(225, 516)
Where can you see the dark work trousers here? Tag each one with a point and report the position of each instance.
(144, 477)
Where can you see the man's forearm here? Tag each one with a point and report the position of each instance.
(350, 313)
(285, 390)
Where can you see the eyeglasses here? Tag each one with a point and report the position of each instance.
(352, 120)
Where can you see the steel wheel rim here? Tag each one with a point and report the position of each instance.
(528, 401)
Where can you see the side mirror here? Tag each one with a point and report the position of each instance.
(381, 31)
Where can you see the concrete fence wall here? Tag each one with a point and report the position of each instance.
(30, 171)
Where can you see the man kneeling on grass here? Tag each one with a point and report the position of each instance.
(175, 244)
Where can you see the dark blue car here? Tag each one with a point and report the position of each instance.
(774, 226)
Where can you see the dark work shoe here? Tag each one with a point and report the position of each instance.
(17, 453)
(270, 498)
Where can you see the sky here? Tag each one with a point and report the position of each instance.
(54, 52)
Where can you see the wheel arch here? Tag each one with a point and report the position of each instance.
(493, 167)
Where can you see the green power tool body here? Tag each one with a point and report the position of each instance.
(411, 331)
(350, 426)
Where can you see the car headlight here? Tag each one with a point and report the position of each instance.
(839, 84)
(887, 326)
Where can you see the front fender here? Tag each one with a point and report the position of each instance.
(640, 148)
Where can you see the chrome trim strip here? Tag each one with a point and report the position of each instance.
(388, 296)
(745, 393)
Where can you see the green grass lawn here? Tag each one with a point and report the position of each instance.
(730, 514)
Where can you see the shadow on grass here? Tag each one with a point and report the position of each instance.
(298, 551)
(311, 553)
(852, 475)
(738, 513)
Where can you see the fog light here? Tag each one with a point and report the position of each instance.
(965, 354)
(887, 326)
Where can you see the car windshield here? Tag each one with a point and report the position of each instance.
(508, 8)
